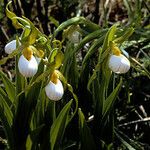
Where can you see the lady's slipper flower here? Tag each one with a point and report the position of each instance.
(54, 89)
(10, 47)
(27, 63)
(118, 63)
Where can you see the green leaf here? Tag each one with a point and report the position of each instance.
(70, 67)
(39, 113)
(29, 143)
(34, 33)
(11, 16)
(90, 37)
(93, 77)
(32, 98)
(5, 96)
(54, 21)
(25, 33)
(6, 117)
(52, 55)
(35, 133)
(33, 138)
(109, 37)
(68, 54)
(59, 59)
(109, 102)
(88, 25)
(75, 21)
(106, 146)
(75, 98)
(42, 40)
(26, 103)
(23, 22)
(62, 78)
(67, 23)
(97, 93)
(127, 142)
(59, 125)
(102, 64)
(5, 112)
(125, 36)
(9, 86)
(87, 141)
(94, 47)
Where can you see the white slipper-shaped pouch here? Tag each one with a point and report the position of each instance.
(119, 64)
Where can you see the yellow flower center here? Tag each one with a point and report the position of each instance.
(116, 50)
(54, 77)
(27, 52)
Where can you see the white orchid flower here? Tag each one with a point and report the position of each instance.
(118, 63)
(10, 47)
(27, 63)
(54, 89)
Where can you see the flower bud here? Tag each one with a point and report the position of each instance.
(119, 63)
(10, 47)
(27, 68)
(54, 91)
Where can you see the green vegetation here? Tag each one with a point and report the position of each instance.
(65, 82)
